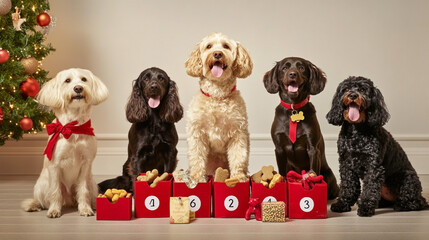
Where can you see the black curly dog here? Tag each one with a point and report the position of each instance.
(367, 151)
(295, 79)
(153, 108)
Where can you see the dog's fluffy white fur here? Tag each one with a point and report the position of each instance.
(217, 126)
(67, 179)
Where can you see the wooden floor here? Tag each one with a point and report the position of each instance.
(17, 224)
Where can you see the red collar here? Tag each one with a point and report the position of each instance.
(67, 130)
(295, 106)
(208, 95)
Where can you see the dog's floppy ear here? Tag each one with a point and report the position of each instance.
(270, 80)
(377, 113)
(51, 95)
(243, 64)
(194, 64)
(171, 110)
(99, 91)
(335, 115)
(317, 79)
(137, 109)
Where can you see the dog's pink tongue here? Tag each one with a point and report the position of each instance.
(217, 71)
(354, 113)
(154, 102)
(292, 88)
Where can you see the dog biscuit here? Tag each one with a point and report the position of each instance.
(257, 177)
(267, 172)
(265, 183)
(231, 182)
(276, 178)
(142, 178)
(158, 179)
(113, 195)
(152, 175)
(221, 175)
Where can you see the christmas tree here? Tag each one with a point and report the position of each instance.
(23, 28)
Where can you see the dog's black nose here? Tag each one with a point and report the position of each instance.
(78, 89)
(292, 75)
(217, 54)
(353, 96)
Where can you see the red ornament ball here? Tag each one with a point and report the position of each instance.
(1, 115)
(4, 55)
(30, 87)
(43, 19)
(26, 123)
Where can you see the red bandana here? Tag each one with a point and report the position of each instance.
(67, 130)
(208, 95)
(293, 124)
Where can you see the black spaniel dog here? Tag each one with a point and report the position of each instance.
(153, 108)
(369, 153)
(299, 144)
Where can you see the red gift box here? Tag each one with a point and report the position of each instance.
(120, 210)
(231, 202)
(152, 202)
(308, 204)
(264, 194)
(199, 197)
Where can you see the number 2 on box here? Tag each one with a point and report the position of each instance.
(231, 203)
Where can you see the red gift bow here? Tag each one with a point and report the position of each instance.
(66, 130)
(307, 180)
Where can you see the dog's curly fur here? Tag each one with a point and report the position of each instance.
(367, 151)
(308, 152)
(217, 125)
(153, 108)
(67, 179)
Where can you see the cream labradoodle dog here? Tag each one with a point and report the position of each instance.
(217, 118)
(66, 177)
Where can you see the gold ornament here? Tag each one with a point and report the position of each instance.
(30, 65)
(5, 6)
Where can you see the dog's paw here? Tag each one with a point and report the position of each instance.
(53, 213)
(340, 207)
(86, 212)
(30, 205)
(366, 208)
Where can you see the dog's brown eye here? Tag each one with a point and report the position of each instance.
(226, 46)
(83, 79)
(67, 80)
(209, 46)
(301, 68)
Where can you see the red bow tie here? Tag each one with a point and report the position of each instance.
(66, 130)
(292, 124)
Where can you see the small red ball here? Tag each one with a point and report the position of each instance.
(4, 55)
(26, 123)
(30, 87)
(43, 19)
(1, 115)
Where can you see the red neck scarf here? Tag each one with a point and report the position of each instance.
(208, 95)
(66, 130)
(294, 125)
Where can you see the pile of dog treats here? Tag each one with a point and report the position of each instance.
(152, 177)
(114, 194)
(267, 176)
(222, 175)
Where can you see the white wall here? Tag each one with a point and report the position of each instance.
(385, 40)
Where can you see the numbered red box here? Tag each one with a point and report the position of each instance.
(199, 197)
(230, 202)
(120, 210)
(307, 204)
(277, 193)
(152, 202)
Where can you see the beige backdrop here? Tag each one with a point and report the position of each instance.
(386, 41)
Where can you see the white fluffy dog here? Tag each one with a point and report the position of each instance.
(217, 125)
(66, 177)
